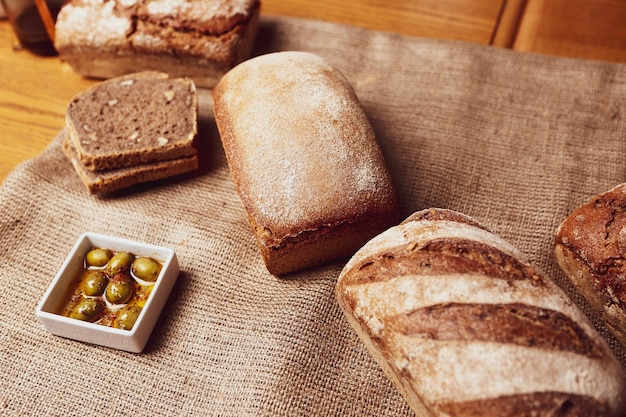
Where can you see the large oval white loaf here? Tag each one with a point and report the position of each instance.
(464, 325)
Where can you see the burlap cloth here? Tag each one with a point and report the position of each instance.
(515, 140)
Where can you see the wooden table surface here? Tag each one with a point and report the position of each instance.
(34, 90)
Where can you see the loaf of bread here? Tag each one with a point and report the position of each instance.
(304, 159)
(590, 247)
(132, 129)
(464, 325)
(198, 39)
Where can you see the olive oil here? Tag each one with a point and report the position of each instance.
(117, 301)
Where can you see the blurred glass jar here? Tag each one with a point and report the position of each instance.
(33, 23)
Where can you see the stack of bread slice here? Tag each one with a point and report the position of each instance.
(132, 129)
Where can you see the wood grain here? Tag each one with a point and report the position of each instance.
(574, 28)
(508, 22)
(33, 94)
(471, 20)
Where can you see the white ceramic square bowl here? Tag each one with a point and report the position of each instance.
(133, 340)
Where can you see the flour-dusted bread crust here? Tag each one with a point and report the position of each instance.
(198, 39)
(590, 247)
(464, 325)
(304, 159)
(134, 119)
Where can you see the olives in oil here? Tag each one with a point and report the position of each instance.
(119, 289)
(127, 317)
(94, 283)
(87, 309)
(112, 288)
(146, 269)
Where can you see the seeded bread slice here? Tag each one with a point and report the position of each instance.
(113, 180)
(134, 119)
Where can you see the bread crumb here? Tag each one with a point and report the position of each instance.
(134, 136)
(169, 95)
(162, 141)
(112, 102)
(127, 82)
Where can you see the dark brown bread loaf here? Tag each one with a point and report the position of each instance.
(100, 182)
(464, 325)
(590, 247)
(304, 159)
(198, 39)
(134, 119)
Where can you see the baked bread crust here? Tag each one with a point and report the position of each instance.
(101, 182)
(464, 325)
(590, 247)
(199, 39)
(304, 159)
(132, 129)
(133, 119)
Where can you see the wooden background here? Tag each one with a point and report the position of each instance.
(34, 90)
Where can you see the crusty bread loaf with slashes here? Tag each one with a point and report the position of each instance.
(198, 39)
(590, 247)
(464, 325)
(304, 159)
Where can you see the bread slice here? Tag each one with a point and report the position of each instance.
(135, 119)
(590, 247)
(200, 39)
(464, 325)
(101, 182)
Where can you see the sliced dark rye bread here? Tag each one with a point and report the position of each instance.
(102, 182)
(134, 119)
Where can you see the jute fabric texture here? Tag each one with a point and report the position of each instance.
(516, 141)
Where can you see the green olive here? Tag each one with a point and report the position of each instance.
(146, 269)
(120, 289)
(127, 317)
(94, 283)
(98, 257)
(120, 262)
(87, 309)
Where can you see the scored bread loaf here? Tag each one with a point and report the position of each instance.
(304, 159)
(464, 325)
(590, 247)
(199, 39)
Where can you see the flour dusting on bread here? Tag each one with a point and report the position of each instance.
(464, 325)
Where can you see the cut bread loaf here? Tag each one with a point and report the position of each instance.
(304, 159)
(464, 325)
(198, 39)
(134, 119)
(132, 129)
(590, 247)
(101, 182)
